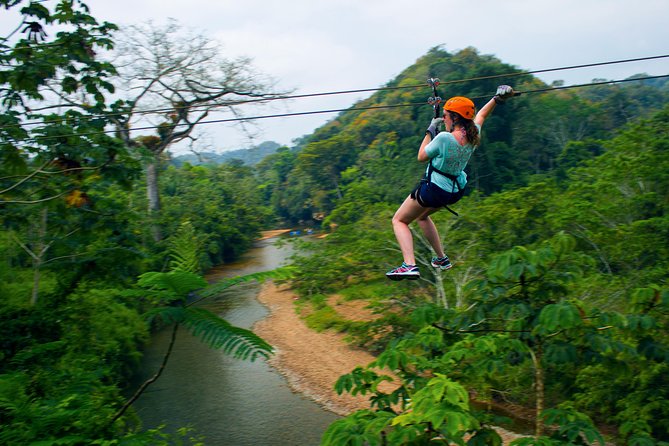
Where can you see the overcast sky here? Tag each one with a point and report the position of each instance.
(326, 45)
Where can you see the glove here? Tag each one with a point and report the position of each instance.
(503, 93)
(433, 129)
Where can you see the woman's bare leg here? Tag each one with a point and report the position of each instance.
(431, 234)
(409, 211)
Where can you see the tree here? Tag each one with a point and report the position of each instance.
(52, 155)
(522, 313)
(273, 174)
(174, 80)
(47, 148)
(38, 248)
(323, 161)
(438, 411)
(221, 202)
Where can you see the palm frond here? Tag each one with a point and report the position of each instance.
(222, 285)
(179, 283)
(184, 247)
(220, 334)
(165, 315)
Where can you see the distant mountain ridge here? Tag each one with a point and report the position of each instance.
(250, 157)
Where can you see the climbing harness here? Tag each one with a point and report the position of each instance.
(426, 182)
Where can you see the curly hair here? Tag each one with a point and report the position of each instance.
(471, 131)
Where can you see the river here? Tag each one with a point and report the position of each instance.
(228, 401)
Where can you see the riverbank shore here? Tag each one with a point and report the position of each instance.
(311, 361)
(264, 235)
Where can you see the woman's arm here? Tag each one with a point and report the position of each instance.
(422, 155)
(503, 93)
(430, 134)
(484, 112)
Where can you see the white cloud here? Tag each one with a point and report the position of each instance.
(328, 45)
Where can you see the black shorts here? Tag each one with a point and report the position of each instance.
(430, 195)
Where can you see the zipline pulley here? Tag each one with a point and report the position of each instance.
(435, 99)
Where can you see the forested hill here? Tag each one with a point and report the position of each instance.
(249, 157)
(374, 150)
(558, 298)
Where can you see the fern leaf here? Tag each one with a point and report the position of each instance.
(224, 284)
(179, 283)
(165, 315)
(184, 249)
(220, 334)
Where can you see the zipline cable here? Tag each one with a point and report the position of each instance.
(590, 84)
(370, 107)
(572, 67)
(366, 90)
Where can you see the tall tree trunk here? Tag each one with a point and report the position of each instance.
(460, 279)
(539, 390)
(336, 183)
(36, 278)
(38, 253)
(439, 286)
(153, 196)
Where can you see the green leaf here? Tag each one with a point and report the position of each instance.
(222, 285)
(561, 353)
(363, 427)
(69, 84)
(184, 249)
(344, 383)
(614, 319)
(572, 424)
(641, 322)
(393, 359)
(560, 316)
(165, 315)
(485, 437)
(179, 283)
(641, 440)
(220, 334)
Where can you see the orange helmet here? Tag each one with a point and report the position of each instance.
(462, 106)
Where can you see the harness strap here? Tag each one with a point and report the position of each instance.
(453, 178)
(451, 211)
(416, 195)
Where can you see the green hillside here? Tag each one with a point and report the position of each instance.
(558, 299)
(375, 149)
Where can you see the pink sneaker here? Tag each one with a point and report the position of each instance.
(404, 272)
(441, 262)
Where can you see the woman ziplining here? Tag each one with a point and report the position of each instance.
(447, 154)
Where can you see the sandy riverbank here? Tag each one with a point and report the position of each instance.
(311, 361)
(264, 235)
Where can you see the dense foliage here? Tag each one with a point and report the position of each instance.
(80, 267)
(558, 298)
